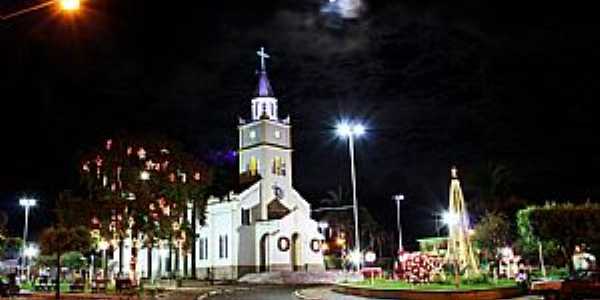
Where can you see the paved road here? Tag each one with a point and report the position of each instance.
(287, 293)
(277, 293)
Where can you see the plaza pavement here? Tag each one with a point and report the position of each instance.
(229, 292)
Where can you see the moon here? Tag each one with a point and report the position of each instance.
(347, 9)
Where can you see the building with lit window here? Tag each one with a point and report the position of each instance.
(264, 227)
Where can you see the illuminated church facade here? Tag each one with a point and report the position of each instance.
(267, 225)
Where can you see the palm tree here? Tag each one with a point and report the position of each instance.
(492, 186)
(342, 220)
(334, 198)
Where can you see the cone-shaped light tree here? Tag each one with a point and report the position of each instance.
(460, 251)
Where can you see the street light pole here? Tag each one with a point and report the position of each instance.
(26, 225)
(351, 131)
(399, 198)
(354, 200)
(27, 203)
(65, 5)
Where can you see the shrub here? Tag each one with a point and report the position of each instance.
(333, 262)
(477, 279)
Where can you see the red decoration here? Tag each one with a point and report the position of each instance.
(417, 267)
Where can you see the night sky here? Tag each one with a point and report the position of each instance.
(438, 83)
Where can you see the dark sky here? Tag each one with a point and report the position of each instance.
(437, 82)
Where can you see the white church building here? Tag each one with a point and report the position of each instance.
(267, 226)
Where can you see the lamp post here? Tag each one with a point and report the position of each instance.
(27, 203)
(398, 198)
(63, 5)
(351, 131)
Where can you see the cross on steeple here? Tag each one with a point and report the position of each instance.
(263, 55)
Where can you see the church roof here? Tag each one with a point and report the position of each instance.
(246, 180)
(276, 210)
(264, 86)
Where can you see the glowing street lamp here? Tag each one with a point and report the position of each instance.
(450, 219)
(350, 131)
(69, 5)
(63, 5)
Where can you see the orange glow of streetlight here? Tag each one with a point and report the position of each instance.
(69, 5)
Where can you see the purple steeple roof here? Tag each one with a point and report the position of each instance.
(264, 87)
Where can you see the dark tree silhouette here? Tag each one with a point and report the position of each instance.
(59, 240)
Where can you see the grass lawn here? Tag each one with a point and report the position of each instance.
(382, 284)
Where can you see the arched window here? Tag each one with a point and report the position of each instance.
(253, 166)
(278, 167)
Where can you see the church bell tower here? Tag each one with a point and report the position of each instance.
(265, 144)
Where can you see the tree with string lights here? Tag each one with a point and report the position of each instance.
(142, 188)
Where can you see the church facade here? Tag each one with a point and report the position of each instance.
(264, 227)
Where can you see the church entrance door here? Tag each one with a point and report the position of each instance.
(296, 252)
(264, 246)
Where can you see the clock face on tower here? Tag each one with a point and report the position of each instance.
(278, 191)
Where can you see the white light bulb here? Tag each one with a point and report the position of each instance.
(358, 129)
(343, 129)
(450, 219)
